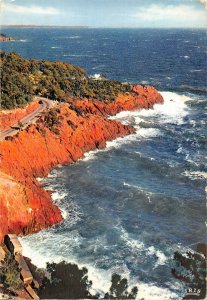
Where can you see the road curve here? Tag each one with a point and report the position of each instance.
(44, 104)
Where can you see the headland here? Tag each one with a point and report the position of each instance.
(77, 123)
(5, 38)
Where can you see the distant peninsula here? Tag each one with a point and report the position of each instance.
(43, 26)
(4, 37)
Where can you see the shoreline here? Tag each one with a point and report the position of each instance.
(58, 148)
(152, 288)
(143, 288)
(132, 205)
(91, 153)
(110, 129)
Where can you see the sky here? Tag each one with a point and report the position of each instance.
(106, 13)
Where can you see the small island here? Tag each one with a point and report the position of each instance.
(4, 38)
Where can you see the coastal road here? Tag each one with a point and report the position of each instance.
(44, 104)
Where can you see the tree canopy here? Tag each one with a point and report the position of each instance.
(23, 78)
(10, 273)
(67, 281)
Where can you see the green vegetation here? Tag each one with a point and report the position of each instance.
(10, 273)
(22, 78)
(67, 281)
(52, 120)
(119, 289)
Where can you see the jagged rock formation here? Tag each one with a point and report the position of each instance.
(61, 136)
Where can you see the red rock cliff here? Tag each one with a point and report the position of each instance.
(10, 117)
(140, 97)
(59, 137)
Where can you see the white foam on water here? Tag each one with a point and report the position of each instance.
(142, 155)
(189, 159)
(100, 278)
(137, 187)
(193, 123)
(64, 213)
(188, 156)
(59, 195)
(73, 37)
(146, 290)
(35, 247)
(195, 174)
(130, 242)
(48, 250)
(76, 55)
(139, 247)
(54, 173)
(174, 109)
(142, 133)
(90, 155)
(148, 194)
(148, 132)
(144, 82)
(109, 145)
(194, 71)
(161, 258)
(40, 179)
(55, 47)
(96, 76)
(58, 198)
(153, 292)
(126, 116)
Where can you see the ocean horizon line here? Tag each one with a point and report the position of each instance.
(96, 27)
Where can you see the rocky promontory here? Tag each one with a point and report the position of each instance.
(61, 135)
(4, 38)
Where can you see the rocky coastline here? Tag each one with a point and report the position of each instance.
(5, 38)
(61, 136)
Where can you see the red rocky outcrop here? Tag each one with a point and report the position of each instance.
(10, 117)
(60, 137)
(140, 97)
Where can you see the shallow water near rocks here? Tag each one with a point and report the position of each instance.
(129, 207)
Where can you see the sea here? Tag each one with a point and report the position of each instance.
(129, 207)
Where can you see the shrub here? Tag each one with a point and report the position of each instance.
(67, 281)
(72, 125)
(119, 289)
(10, 273)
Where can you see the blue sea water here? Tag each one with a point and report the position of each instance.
(129, 207)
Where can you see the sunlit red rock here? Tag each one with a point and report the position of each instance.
(10, 117)
(140, 97)
(25, 206)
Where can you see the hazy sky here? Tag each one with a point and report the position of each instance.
(106, 13)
